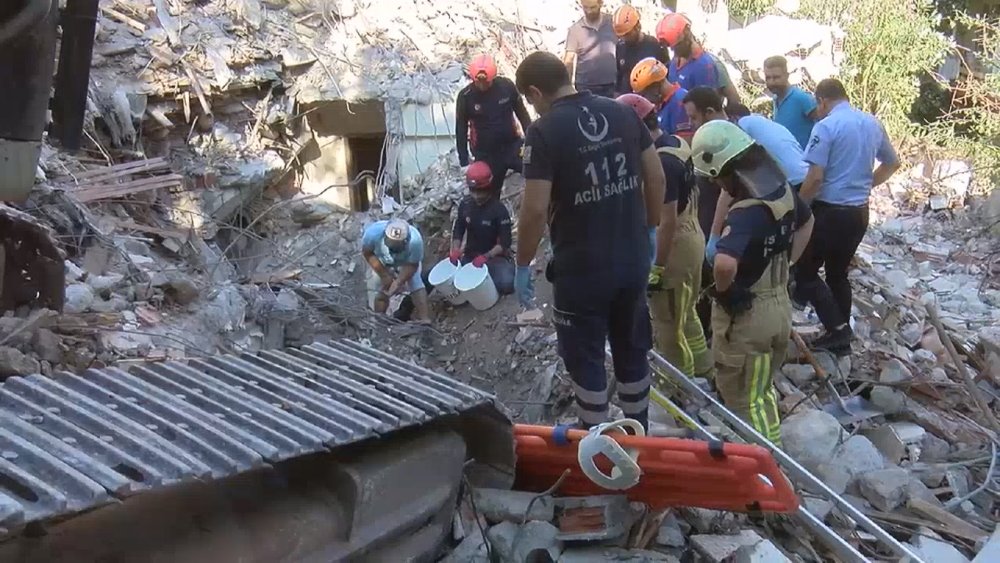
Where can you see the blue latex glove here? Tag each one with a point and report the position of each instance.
(652, 244)
(524, 286)
(711, 248)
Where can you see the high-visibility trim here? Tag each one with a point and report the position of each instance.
(674, 472)
(635, 387)
(588, 396)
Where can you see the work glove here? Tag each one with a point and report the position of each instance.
(711, 249)
(480, 261)
(455, 255)
(655, 282)
(652, 244)
(524, 286)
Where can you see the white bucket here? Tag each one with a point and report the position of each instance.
(441, 277)
(476, 286)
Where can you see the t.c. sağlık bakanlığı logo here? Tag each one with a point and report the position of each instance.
(593, 127)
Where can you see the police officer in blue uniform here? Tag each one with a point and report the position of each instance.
(767, 228)
(593, 175)
(841, 154)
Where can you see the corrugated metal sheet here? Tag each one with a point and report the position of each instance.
(428, 133)
(72, 442)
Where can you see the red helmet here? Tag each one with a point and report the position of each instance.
(478, 176)
(640, 105)
(483, 67)
(671, 28)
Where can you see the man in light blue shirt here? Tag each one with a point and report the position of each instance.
(395, 251)
(841, 154)
(793, 108)
(776, 140)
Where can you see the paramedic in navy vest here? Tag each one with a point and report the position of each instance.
(484, 120)
(484, 224)
(633, 46)
(592, 173)
(842, 151)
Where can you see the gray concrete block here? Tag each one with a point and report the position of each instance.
(520, 544)
(763, 552)
(885, 489)
(616, 554)
(717, 549)
(498, 505)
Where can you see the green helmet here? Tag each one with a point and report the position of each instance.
(716, 143)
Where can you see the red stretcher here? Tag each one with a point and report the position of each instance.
(675, 472)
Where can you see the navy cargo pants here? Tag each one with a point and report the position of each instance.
(586, 317)
(501, 161)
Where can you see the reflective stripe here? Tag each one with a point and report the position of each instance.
(634, 407)
(591, 417)
(592, 397)
(753, 406)
(687, 356)
(634, 387)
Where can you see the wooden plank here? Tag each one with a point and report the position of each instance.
(129, 183)
(148, 229)
(129, 21)
(116, 171)
(85, 196)
(955, 525)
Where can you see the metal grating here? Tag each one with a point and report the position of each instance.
(73, 442)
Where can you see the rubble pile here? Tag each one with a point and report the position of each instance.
(518, 527)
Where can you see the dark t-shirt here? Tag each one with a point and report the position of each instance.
(680, 175)
(590, 148)
(753, 237)
(491, 115)
(486, 225)
(629, 55)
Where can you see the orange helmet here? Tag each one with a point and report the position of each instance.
(483, 67)
(647, 72)
(671, 28)
(625, 20)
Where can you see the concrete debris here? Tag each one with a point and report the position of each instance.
(47, 346)
(855, 457)
(885, 489)
(671, 534)
(719, 549)
(79, 298)
(618, 555)
(471, 550)
(811, 436)
(499, 505)
(13, 362)
(991, 550)
(763, 552)
(932, 547)
(522, 544)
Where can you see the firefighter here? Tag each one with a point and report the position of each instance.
(481, 234)
(649, 80)
(394, 251)
(633, 46)
(767, 228)
(692, 65)
(592, 174)
(675, 276)
(485, 112)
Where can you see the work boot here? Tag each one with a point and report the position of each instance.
(836, 341)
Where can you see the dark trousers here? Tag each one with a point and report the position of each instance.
(586, 318)
(501, 161)
(835, 238)
(501, 271)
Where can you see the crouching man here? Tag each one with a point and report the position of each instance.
(395, 250)
(484, 223)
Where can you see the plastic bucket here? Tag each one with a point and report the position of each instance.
(441, 277)
(476, 286)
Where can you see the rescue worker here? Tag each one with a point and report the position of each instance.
(691, 65)
(590, 50)
(765, 230)
(592, 173)
(793, 107)
(484, 120)
(649, 80)
(842, 151)
(633, 46)
(395, 251)
(776, 139)
(675, 276)
(484, 224)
